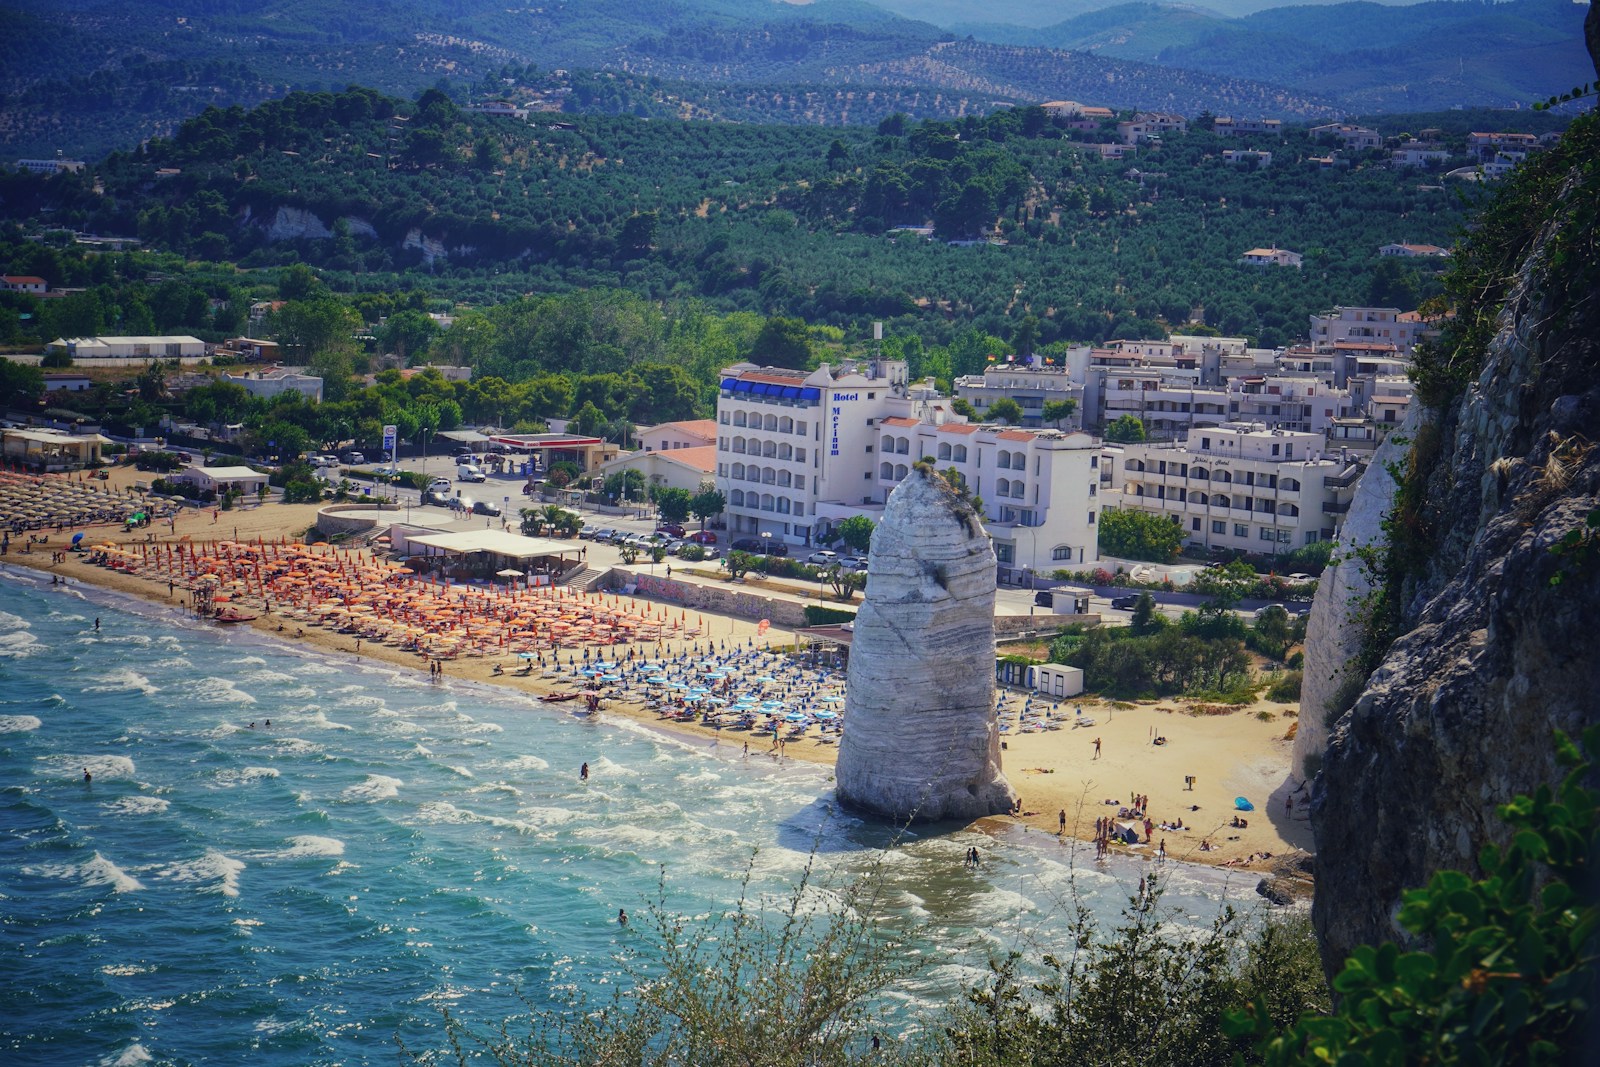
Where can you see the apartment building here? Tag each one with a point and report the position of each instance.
(1354, 138)
(1150, 126)
(1031, 385)
(1303, 405)
(1253, 158)
(1040, 488)
(1242, 486)
(1383, 325)
(1228, 126)
(1418, 154)
(798, 453)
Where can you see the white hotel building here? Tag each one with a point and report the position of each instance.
(1242, 486)
(799, 452)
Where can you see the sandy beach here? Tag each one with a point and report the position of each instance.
(1242, 752)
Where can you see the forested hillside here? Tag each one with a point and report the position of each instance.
(1367, 56)
(84, 76)
(781, 221)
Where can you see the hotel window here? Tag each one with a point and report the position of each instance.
(1241, 530)
(1091, 518)
(1218, 526)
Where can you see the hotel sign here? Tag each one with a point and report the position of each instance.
(834, 415)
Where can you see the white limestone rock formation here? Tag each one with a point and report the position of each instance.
(1333, 633)
(921, 741)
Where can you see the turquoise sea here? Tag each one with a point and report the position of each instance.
(307, 893)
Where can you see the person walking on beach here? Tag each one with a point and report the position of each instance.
(1063, 822)
(1097, 748)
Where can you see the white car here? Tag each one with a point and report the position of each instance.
(470, 473)
(824, 558)
(324, 461)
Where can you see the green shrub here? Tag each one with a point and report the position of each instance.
(1285, 688)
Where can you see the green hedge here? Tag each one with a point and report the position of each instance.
(821, 616)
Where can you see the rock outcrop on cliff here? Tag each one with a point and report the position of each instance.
(1490, 651)
(921, 741)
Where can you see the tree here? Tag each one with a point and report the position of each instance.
(673, 503)
(707, 503)
(589, 420)
(782, 342)
(739, 563)
(856, 531)
(963, 407)
(407, 333)
(19, 384)
(1127, 430)
(1129, 534)
(1145, 618)
(1005, 410)
(844, 583)
(1058, 411)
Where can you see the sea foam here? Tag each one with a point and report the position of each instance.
(376, 787)
(18, 724)
(217, 872)
(97, 871)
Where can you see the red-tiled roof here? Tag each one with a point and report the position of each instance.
(23, 279)
(1014, 435)
(897, 420)
(958, 427)
(700, 457)
(700, 427)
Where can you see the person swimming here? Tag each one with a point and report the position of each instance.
(583, 773)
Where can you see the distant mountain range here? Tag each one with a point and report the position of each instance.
(83, 76)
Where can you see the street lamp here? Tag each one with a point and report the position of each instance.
(766, 546)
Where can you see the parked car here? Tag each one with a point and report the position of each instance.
(486, 507)
(354, 458)
(856, 563)
(672, 528)
(438, 499)
(587, 533)
(746, 544)
(471, 474)
(461, 450)
(1124, 603)
(459, 503)
(823, 558)
(325, 460)
(703, 537)
(1044, 598)
(439, 485)
(466, 459)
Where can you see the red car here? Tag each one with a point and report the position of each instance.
(703, 537)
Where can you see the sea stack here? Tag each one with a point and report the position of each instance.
(921, 741)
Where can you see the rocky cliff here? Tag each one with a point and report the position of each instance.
(1480, 644)
(920, 740)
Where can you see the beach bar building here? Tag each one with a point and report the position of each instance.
(220, 480)
(47, 450)
(482, 554)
